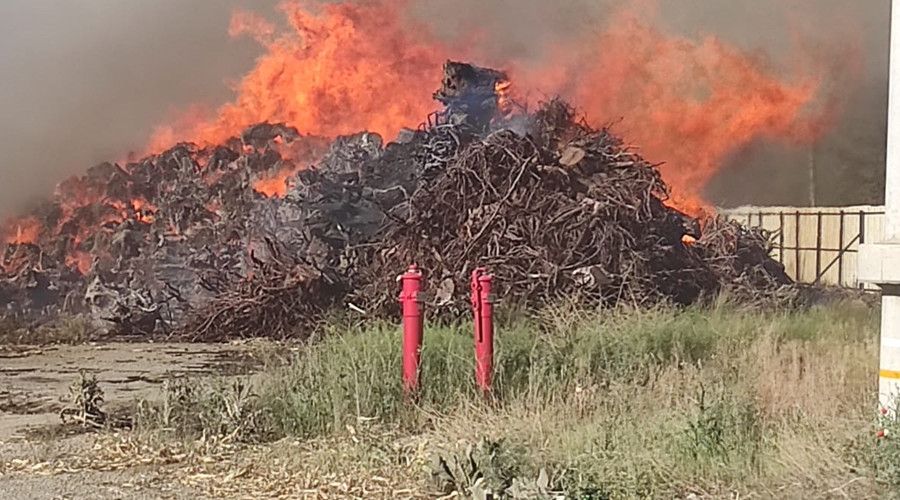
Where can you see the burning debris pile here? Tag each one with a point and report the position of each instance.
(263, 234)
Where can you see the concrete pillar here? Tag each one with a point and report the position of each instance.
(880, 263)
(892, 180)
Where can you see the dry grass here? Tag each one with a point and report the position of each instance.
(64, 330)
(718, 403)
(775, 423)
(351, 466)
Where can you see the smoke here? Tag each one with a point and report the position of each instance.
(85, 82)
(852, 38)
(88, 81)
(846, 41)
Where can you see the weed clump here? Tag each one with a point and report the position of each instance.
(85, 403)
(208, 409)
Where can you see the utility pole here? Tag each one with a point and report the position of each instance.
(880, 262)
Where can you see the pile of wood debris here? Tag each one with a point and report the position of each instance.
(187, 243)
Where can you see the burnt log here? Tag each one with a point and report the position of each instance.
(469, 93)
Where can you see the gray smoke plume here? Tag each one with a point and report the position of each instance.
(848, 36)
(848, 162)
(86, 81)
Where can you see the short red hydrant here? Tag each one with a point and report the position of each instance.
(484, 328)
(412, 327)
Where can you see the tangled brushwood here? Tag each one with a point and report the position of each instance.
(553, 207)
(563, 211)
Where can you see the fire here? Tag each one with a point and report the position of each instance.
(27, 231)
(504, 100)
(137, 209)
(295, 156)
(347, 66)
(688, 103)
(275, 185)
(691, 204)
(144, 211)
(80, 261)
(341, 68)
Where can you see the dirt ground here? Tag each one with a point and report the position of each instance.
(34, 385)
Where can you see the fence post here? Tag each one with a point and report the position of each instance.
(818, 245)
(781, 238)
(862, 227)
(797, 276)
(840, 281)
(862, 241)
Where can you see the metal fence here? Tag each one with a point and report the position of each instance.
(817, 245)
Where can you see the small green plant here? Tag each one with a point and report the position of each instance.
(886, 460)
(538, 488)
(724, 430)
(85, 401)
(220, 409)
(486, 469)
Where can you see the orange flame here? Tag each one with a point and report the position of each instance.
(144, 211)
(335, 72)
(27, 231)
(275, 185)
(80, 261)
(504, 100)
(351, 66)
(295, 155)
(687, 103)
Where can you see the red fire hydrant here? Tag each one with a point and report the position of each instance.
(412, 327)
(484, 328)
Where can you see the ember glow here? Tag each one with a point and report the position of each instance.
(83, 210)
(276, 184)
(345, 67)
(504, 96)
(142, 211)
(296, 156)
(80, 261)
(23, 231)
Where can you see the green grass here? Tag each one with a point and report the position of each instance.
(615, 404)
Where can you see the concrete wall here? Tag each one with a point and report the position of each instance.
(816, 242)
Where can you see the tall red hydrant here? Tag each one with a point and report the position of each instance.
(412, 327)
(484, 328)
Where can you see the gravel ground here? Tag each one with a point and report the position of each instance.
(38, 462)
